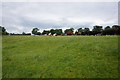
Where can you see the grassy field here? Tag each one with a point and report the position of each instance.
(60, 57)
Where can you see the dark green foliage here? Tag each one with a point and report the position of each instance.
(38, 33)
(45, 32)
(58, 31)
(116, 29)
(28, 34)
(91, 33)
(3, 31)
(97, 29)
(80, 30)
(20, 34)
(108, 27)
(52, 31)
(23, 33)
(69, 31)
(108, 31)
(86, 31)
(34, 31)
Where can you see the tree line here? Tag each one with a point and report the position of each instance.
(4, 32)
(97, 30)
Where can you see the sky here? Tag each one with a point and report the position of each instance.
(18, 17)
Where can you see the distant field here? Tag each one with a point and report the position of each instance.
(60, 57)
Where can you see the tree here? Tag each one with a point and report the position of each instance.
(86, 31)
(3, 31)
(108, 31)
(116, 29)
(34, 31)
(80, 30)
(28, 34)
(52, 31)
(97, 29)
(108, 27)
(23, 33)
(58, 31)
(91, 33)
(69, 31)
(38, 33)
(46, 32)
(72, 29)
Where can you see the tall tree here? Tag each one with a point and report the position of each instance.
(80, 30)
(58, 31)
(97, 29)
(69, 31)
(35, 31)
(23, 33)
(3, 31)
(108, 27)
(108, 31)
(116, 29)
(86, 31)
(52, 31)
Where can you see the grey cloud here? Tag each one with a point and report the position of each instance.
(23, 16)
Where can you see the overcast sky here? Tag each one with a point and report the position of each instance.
(18, 17)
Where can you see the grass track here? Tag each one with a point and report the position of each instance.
(60, 57)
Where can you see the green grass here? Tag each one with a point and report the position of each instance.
(60, 57)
